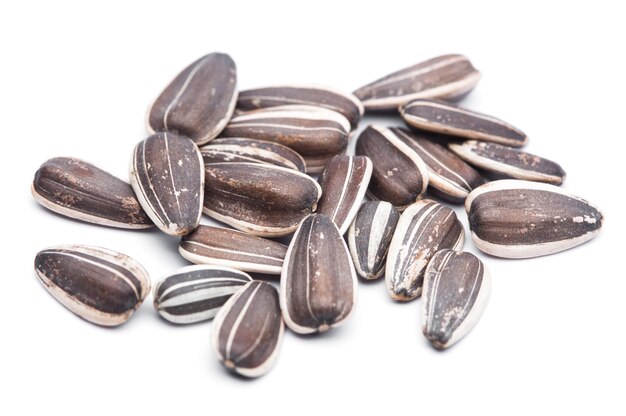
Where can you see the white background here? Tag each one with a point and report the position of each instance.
(76, 80)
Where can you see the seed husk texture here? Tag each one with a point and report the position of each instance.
(508, 161)
(318, 281)
(237, 150)
(248, 330)
(167, 175)
(195, 293)
(456, 291)
(97, 284)
(399, 175)
(230, 248)
(199, 102)
(447, 77)
(369, 237)
(263, 200)
(423, 229)
(321, 96)
(80, 190)
(520, 219)
(344, 183)
(441, 117)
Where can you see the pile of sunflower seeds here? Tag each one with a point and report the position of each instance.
(244, 158)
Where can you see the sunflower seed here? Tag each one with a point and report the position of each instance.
(446, 118)
(316, 133)
(236, 150)
(261, 200)
(196, 293)
(510, 162)
(344, 183)
(318, 282)
(346, 104)
(448, 76)
(399, 174)
(520, 219)
(199, 102)
(449, 176)
(167, 175)
(423, 229)
(369, 237)
(79, 190)
(99, 285)
(456, 291)
(226, 247)
(248, 330)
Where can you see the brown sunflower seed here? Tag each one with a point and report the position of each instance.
(196, 293)
(346, 104)
(99, 285)
(449, 176)
(446, 118)
(456, 291)
(369, 237)
(79, 190)
(248, 330)
(344, 182)
(510, 162)
(199, 102)
(230, 248)
(167, 175)
(318, 282)
(423, 229)
(448, 76)
(520, 219)
(399, 174)
(316, 133)
(235, 150)
(262, 200)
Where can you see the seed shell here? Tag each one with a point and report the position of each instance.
(318, 282)
(248, 330)
(199, 102)
(369, 237)
(196, 293)
(97, 284)
(521, 219)
(423, 229)
(80, 190)
(456, 291)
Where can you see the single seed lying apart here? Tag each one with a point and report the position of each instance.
(97, 284)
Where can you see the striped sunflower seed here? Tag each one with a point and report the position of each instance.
(316, 133)
(196, 293)
(399, 174)
(521, 219)
(167, 175)
(79, 190)
(262, 200)
(248, 330)
(344, 183)
(456, 291)
(423, 229)
(199, 102)
(448, 77)
(236, 150)
(446, 118)
(449, 177)
(318, 282)
(510, 162)
(99, 285)
(230, 248)
(346, 104)
(369, 237)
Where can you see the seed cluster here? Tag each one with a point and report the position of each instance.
(245, 159)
